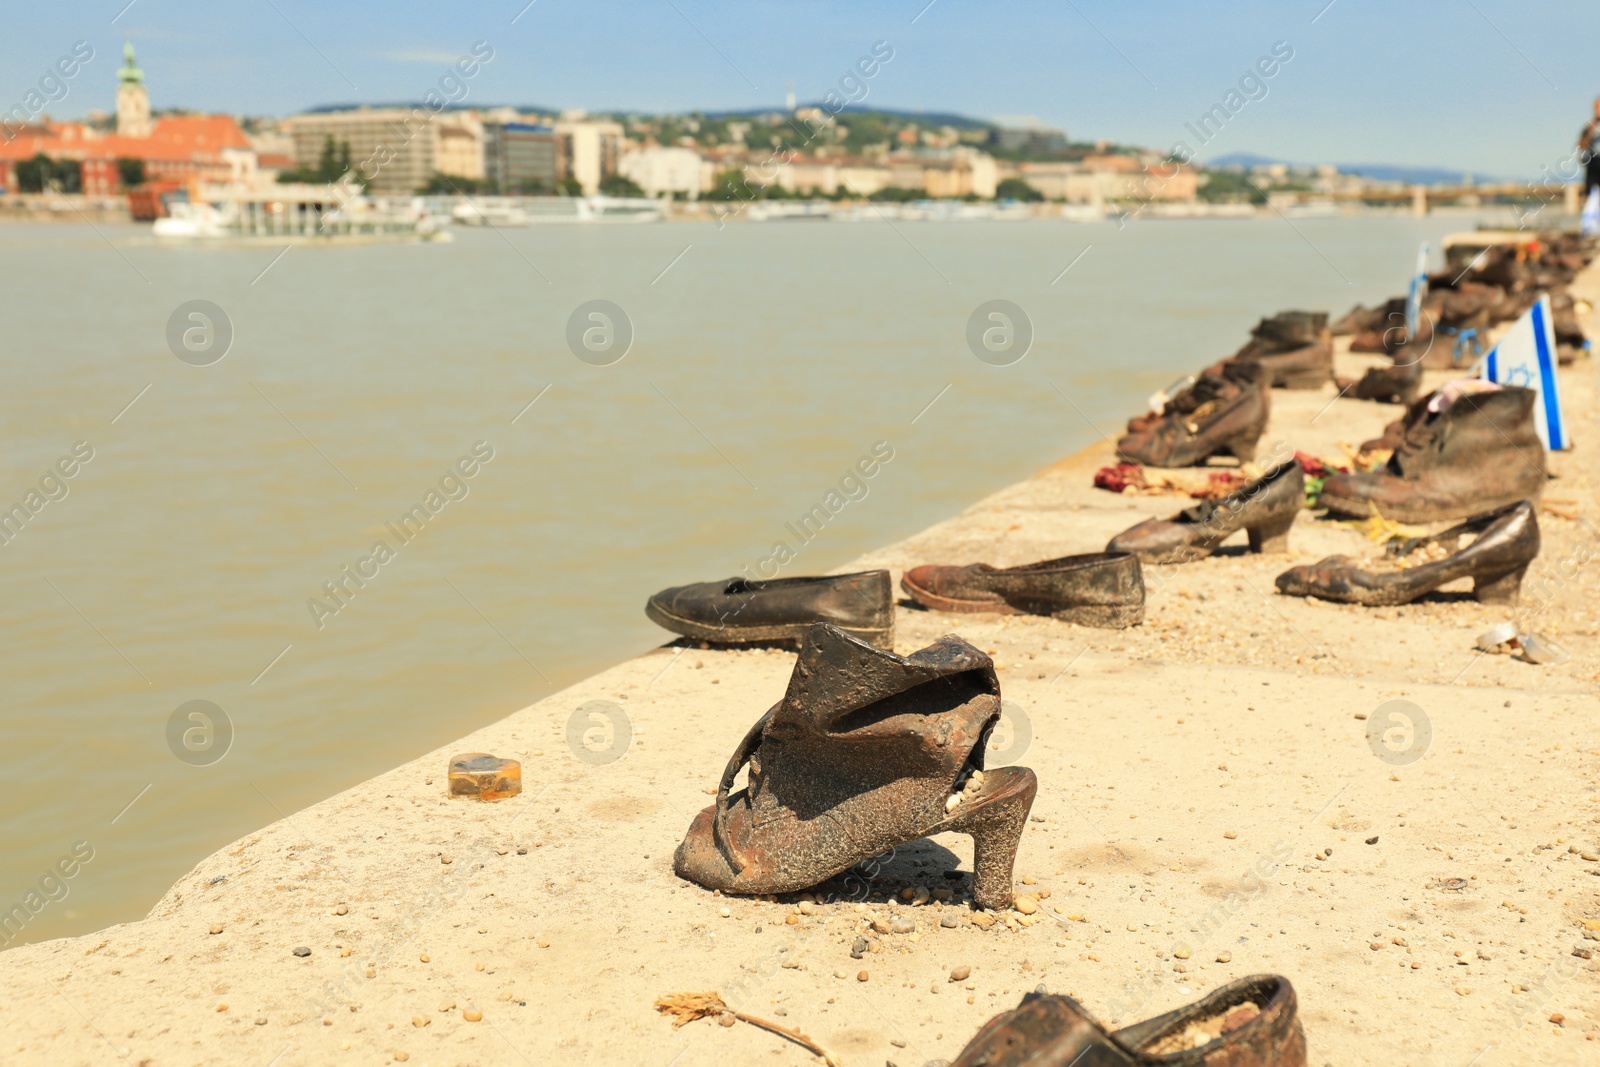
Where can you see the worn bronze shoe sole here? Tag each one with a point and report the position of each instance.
(736, 635)
(1102, 617)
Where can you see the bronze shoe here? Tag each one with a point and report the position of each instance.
(865, 752)
(1264, 509)
(1507, 540)
(1104, 589)
(1397, 384)
(1253, 1022)
(744, 610)
(1480, 453)
(1294, 348)
(1229, 421)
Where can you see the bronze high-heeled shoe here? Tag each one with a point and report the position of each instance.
(1507, 541)
(866, 751)
(1264, 509)
(1249, 1023)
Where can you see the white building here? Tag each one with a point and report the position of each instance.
(589, 151)
(664, 171)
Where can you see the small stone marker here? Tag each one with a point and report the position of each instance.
(485, 777)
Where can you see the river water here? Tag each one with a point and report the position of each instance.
(183, 559)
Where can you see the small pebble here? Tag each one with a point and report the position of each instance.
(447, 1005)
(725, 913)
(1230, 835)
(861, 976)
(222, 1007)
(949, 921)
(446, 859)
(952, 802)
(401, 1057)
(216, 928)
(372, 972)
(419, 1021)
(960, 974)
(726, 1019)
(1180, 953)
(1026, 904)
(424, 958)
(302, 952)
(859, 947)
(478, 966)
(1224, 956)
(472, 1015)
(261, 1020)
(1372, 840)
(342, 909)
(902, 926)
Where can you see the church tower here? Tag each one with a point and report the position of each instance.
(133, 102)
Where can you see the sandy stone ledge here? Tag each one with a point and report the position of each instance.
(1210, 807)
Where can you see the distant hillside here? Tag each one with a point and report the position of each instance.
(1383, 172)
(926, 118)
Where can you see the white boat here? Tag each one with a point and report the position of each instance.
(193, 222)
(500, 211)
(788, 210)
(1085, 213)
(297, 212)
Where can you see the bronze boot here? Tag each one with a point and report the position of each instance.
(1294, 348)
(1506, 541)
(865, 752)
(1228, 421)
(1480, 453)
(1264, 509)
(1253, 1022)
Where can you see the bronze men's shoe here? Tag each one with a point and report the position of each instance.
(1264, 509)
(1228, 419)
(1397, 384)
(1253, 1022)
(1104, 589)
(1506, 541)
(739, 610)
(1294, 348)
(1480, 453)
(865, 752)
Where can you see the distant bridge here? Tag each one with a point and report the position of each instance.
(1421, 196)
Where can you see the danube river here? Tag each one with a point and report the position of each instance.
(217, 537)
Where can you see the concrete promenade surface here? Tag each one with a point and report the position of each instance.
(1210, 807)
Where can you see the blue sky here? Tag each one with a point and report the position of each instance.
(1485, 85)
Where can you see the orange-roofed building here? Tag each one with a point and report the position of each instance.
(175, 148)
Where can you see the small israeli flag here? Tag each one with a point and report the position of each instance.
(1526, 356)
(1419, 289)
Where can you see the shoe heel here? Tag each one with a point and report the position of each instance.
(1503, 588)
(996, 828)
(1271, 536)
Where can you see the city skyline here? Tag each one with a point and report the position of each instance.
(1362, 86)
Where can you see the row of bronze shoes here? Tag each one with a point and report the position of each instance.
(1223, 410)
(869, 750)
(1477, 459)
